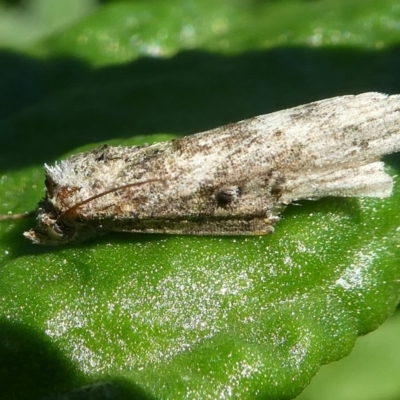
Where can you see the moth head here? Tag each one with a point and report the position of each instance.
(50, 229)
(57, 227)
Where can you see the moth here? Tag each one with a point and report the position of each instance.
(232, 180)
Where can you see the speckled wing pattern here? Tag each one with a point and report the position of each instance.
(232, 180)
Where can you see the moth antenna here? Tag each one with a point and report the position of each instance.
(12, 217)
(88, 200)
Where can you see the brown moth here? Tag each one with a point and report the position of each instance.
(232, 180)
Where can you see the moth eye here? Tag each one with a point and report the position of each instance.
(60, 230)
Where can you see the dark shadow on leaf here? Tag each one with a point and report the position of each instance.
(394, 161)
(117, 389)
(32, 367)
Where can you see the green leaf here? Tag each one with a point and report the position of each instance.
(151, 316)
(369, 372)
